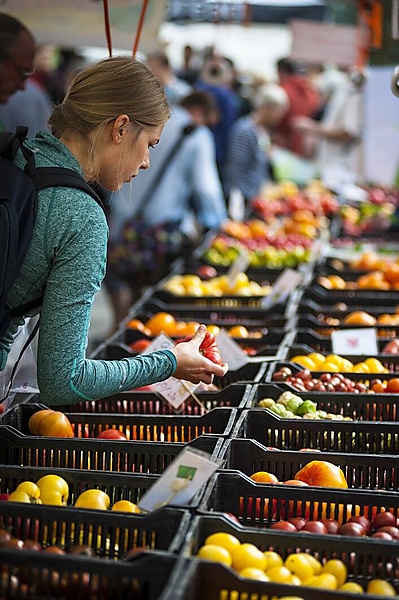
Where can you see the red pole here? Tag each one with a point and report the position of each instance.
(107, 27)
(140, 26)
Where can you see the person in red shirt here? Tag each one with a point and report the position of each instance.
(304, 101)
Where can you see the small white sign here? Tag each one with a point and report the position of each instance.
(331, 43)
(172, 390)
(283, 286)
(236, 206)
(179, 483)
(355, 341)
(240, 265)
(230, 351)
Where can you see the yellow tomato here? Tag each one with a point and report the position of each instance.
(215, 554)
(317, 358)
(126, 506)
(337, 568)
(380, 587)
(279, 574)
(215, 329)
(253, 573)
(93, 499)
(299, 565)
(325, 581)
(53, 490)
(304, 361)
(316, 564)
(273, 559)
(248, 555)
(225, 540)
(351, 587)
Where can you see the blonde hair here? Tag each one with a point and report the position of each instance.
(103, 91)
(271, 95)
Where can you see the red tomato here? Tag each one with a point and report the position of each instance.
(208, 347)
(111, 434)
(140, 345)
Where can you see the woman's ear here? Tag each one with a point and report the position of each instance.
(119, 128)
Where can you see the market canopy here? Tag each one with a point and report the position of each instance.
(239, 11)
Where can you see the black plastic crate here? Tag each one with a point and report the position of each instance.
(257, 347)
(42, 576)
(355, 377)
(322, 343)
(96, 455)
(147, 403)
(320, 293)
(312, 323)
(110, 534)
(307, 305)
(390, 362)
(257, 505)
(224, 311)
(360, 407)
(203, 579)
(200, 579)
(147, 428)
(325, 435)
(362, 471)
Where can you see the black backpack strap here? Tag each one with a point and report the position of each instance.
(45, 177)
(11, 142)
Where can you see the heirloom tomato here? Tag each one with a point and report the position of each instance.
(208, 347)
(50, 423)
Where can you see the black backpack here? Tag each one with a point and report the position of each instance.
(18, 203)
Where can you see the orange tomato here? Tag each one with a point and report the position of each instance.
(139, 325)
(392, 273)
(190, 327)
(393, 385)
(239, 331)
(264, 477)
(162, 322)
(322, 473)
(50, 423)
(359, 317)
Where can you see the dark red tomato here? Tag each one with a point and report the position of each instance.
(208, 347)
(111, 434)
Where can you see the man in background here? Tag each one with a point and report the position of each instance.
(17, 53)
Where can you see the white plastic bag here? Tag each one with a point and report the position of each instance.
(24, 379)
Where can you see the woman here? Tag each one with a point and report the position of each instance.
(112, 115)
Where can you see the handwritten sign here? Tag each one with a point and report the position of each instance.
(181, 481)
(283, 286)
(240, 265)
(172, 390)
(230, 351)
(355, 341)
(329, 43)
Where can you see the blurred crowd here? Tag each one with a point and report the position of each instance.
(230, 134)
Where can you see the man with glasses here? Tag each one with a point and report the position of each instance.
(17, 51)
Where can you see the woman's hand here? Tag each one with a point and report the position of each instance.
(192, 365)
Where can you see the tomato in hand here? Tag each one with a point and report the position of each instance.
(208, 347)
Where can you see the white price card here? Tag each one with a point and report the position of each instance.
(172, 390)
(240, 265)
(230, 351)
(355, 341)
(236, 205)
(283, 286)
(181, 481)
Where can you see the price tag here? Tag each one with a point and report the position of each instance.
(355, 341)
(240, 265)
(236, 206)
(181, 481)
(172, 390)
(230, 351)
(283, 286)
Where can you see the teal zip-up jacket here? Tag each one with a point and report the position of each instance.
(65, 264)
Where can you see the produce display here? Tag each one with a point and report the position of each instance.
(304, 499)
